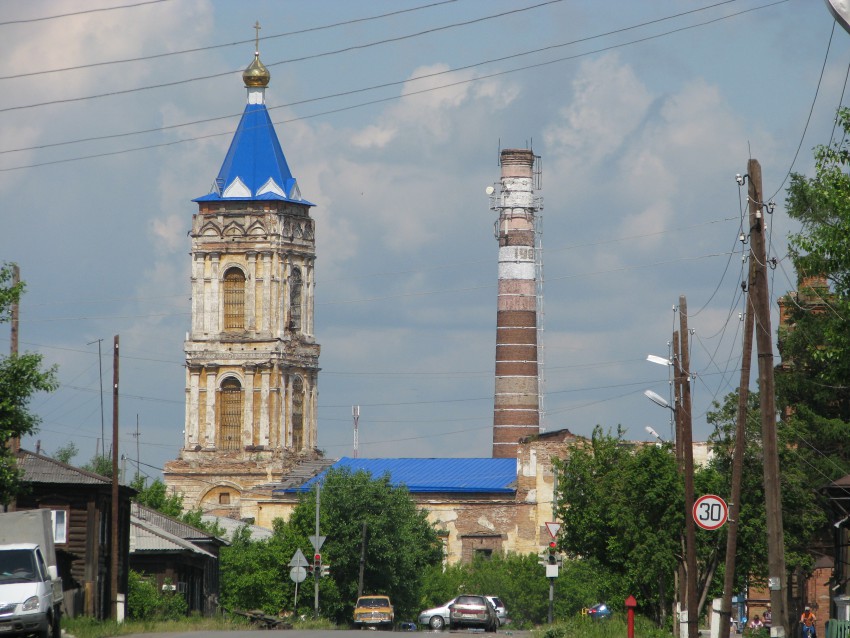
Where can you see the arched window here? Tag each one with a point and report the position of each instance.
(234, 299)
(295, 300)
(230, 415)
(297, 413)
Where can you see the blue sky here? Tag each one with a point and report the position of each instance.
(392, 122)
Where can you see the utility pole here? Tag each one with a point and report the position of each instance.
(681, 573)
(317, 568)
(760, 292)
(355, 412)
(737, 464)
(688, 468)
(114, 550)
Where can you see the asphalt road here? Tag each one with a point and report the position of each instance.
(328, 633)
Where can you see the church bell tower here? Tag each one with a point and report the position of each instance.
(252, 361)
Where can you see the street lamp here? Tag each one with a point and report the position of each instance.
(656, 435)
(657, 399)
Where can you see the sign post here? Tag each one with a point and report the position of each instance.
(710, 512)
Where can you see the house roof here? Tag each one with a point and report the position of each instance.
(463, 475)
(172, 525)
(231, 526)
(255, 167)
(148, 537)
(43, 469)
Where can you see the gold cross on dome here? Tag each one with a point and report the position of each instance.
(257, 28)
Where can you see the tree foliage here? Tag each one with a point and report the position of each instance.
(399, 545)
(21, 377)
(622, 506)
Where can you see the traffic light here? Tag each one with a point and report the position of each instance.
(317, 560)
(553, 559)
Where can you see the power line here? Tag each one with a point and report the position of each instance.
(271, 64)
(211, 47)
(374, 87)
(78, 13)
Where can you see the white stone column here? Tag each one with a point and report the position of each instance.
(209, 421)
(287, 410)
(213, 303)
(308, 300)
(311, 426)
(248, 406)
(267, 293)
(264, 406)
(250, 292)
(192, 399)
(197, 293)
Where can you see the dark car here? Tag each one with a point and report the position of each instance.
(599, 611)
(473, 611)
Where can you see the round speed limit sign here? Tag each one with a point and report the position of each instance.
(710, 512)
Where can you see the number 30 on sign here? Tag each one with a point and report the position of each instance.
(710, 512)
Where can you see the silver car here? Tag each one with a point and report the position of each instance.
(501, 610)
(436, 618)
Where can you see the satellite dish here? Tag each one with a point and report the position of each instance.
(840, 10)
(489, 190)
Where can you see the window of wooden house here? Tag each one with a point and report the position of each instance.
(224, 498)
(234, 299)
(295, 287)
(230, 414)
(59, 519)
(298, 413)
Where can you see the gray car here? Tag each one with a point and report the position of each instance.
(501, 610)
(473, 611)
(437, 617)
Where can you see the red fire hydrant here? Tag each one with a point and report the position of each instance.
(631, 603)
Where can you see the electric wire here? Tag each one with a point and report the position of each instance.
(211, 47)
(348, 49)
(83, 12)
(352, 92)
(809, 118)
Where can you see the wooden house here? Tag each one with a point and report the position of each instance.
(177, 556)
(81, 505)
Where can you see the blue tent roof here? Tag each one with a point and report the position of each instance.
(255, 167)
(494, 476)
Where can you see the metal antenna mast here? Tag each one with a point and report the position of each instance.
(355, 412)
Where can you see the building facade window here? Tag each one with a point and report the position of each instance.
(298, 413)
(295, 288)
(230, 415)
(224, 498)
(234, 299)
(60, 526)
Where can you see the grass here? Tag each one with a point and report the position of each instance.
(611, 628)
(86, 627)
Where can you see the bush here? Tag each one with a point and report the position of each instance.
(146, 602)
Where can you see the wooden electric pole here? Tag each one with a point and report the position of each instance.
(688, 470)
(114, 549)
(760, 294)
(737, 464)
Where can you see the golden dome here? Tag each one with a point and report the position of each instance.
(256, 74)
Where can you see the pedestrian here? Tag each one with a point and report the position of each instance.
(756, 622)
(807, 620)
(767, 617)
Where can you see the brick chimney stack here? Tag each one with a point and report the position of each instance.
(516, 410)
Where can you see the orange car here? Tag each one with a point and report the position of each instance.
(374, 612)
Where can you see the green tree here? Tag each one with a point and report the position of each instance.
(400, 543)
(622, 507)
(255, 573)
(21, 376)
(156, 497)
(145, 601)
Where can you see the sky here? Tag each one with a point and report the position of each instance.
(391, 114)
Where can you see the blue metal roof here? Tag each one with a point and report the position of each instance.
(255, 167)
(481, 475)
